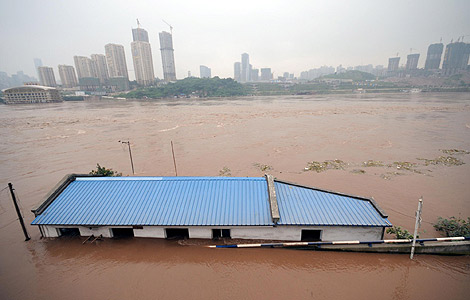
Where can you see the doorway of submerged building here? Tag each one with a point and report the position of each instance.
(121, 233)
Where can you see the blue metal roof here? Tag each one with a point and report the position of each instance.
(306, 206)
(200, 201)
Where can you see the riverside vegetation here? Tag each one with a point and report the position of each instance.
(191, 87)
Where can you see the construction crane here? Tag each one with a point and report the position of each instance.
(171, 27)
(138, 23)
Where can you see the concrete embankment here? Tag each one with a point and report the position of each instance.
(439, 248)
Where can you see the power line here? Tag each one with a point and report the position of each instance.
(412, 217)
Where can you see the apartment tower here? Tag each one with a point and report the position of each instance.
(99, 60)
(85, 67)
(142, 57)
(245, 71)
(46, 76)
(67, 76)
(116, 60)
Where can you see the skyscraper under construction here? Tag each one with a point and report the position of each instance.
(456, 58)
(433, 59)
(142, 57)
(168, 58)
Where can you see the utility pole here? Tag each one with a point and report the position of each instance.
(174, 160)
(20, 217)
(417, 225)
(130, 154)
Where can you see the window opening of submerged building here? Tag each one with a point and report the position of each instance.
(177, 233)
(220, 233)
(122, 232)
(311, 235)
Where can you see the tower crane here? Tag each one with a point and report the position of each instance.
(171, 27)
(138, 23)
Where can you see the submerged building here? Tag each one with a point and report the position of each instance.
(206, 207)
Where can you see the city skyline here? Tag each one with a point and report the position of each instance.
(321, 34)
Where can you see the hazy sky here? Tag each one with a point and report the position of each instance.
(288, 36)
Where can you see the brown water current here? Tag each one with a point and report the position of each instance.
(239, 137)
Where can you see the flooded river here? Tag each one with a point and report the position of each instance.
(239, 137)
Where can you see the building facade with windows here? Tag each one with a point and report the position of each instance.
(31, 94)
(67, 76)
(46, 76)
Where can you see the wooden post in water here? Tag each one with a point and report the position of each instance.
(18, 212)
(417, 225)
(174, 160)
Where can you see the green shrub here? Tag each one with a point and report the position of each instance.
(401, 234)
(453, 226)
(104, 172)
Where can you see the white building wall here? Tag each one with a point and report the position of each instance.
(282, 233)
(150, 231)
(200, 233)
(49, 231)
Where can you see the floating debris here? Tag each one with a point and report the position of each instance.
(373, 163)
(225, 172)
(389, 175)
(443, 160)
(358, 171)
(454, 151)
(403, 165)
(263, 167)
(386, 177)
(318, 167)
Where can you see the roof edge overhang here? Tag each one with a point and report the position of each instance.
(56, 191)
(382, 213)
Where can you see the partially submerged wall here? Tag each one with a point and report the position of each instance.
(281, 233)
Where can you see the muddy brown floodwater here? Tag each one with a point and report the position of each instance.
(239, 137)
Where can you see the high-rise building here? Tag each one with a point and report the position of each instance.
(37, 64)
(140, 35)
(142, 57)
(412, 61)
(393, 64)
(205, 72)
(143, 63)
(266, 74)
(455, 58)
(254, 74)
(116, 60)
(46, 76)
(433, 59)
(245, 71)
(67, 76)
(85, 67)
(237, 71)
(99, 60)
(168, 58)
